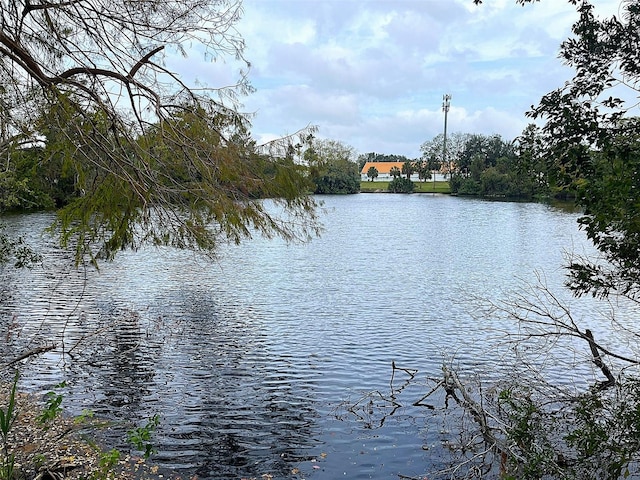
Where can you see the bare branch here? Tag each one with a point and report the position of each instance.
(30, 353)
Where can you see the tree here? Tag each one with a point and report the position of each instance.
(433, 164)
(434, 149)
(528, 427)
(408, 169)
(331, 167)
(488, 148)
(395, 172)
(400, 185)
(532, 427)
(423, 169)
(531, 162)
(87, 82)
(589, 130)
(494, 183)
(372, 173)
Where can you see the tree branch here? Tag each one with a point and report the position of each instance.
(35, 351)
(597, 360)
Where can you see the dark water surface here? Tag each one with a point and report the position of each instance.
(277, 359)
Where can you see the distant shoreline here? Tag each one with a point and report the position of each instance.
(419, 187)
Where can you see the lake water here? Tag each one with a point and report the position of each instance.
(277, 359)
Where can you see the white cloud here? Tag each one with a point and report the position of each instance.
(371, 73)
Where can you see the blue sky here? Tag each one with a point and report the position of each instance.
(372, 73)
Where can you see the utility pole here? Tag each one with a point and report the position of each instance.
(446, 103)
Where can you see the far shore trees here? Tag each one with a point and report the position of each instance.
(332, 167)
(487, 165)
(423, 170)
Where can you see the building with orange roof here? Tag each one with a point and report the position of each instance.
(384, 171)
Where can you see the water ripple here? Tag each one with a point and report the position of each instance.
(278, 358)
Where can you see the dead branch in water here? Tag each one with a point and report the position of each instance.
(30, 353)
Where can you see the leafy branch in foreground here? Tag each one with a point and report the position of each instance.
(16, 250)
(140, 437)
(569, 408)
(134, 153)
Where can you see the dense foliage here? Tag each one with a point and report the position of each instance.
(332, 169)
(490, 166)
(591, 132)
(401, 185)
(530, 425)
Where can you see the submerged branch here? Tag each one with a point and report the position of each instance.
(452, 384)
(34, 351)
(597, 360)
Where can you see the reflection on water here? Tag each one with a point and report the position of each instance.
(278, 358)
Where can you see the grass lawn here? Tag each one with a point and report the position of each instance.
(419, 187)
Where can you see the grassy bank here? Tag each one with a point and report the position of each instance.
(38, 441)
(419, 187)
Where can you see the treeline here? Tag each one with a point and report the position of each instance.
(45, 175)
(475, 164)
(488, 165)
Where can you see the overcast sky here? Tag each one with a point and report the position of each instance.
(372, 73)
